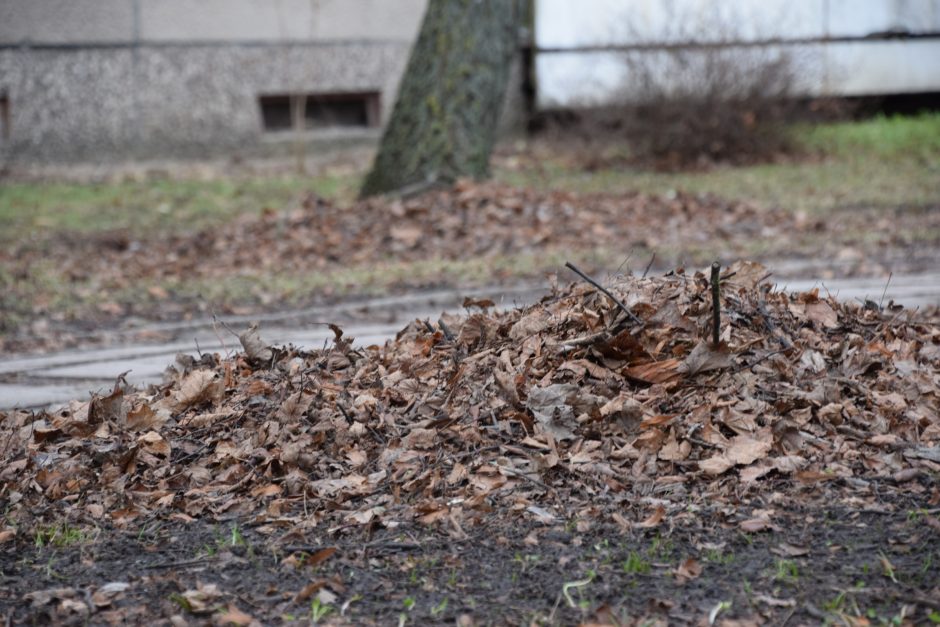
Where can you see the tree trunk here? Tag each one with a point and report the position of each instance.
(444, 122)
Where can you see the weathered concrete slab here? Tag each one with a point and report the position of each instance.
(14, 395)
(909, 290)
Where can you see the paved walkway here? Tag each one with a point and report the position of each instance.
(33, 381)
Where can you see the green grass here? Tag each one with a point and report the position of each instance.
(59, 535)
(786, 571)
(882, 162)
(36, 210)
(897, 137)
(635, 564)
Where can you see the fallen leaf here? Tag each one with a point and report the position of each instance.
(653, 519)
(715, 465)
(704, 358)
(198, 387)
(753, 525)
(234, 616)
(549, 406)
(689, 569)
(745, 449)
(321, 556)
(256, 349)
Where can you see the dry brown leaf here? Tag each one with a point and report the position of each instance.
(536, 321)
(689, 569)
(656, 372)
(549, 406)
(320, 556)
(144, 418)
(753, 473)
(704, 358)
(753, 525)
(234, 616)
(198, 387)
(294, 407)
(106, 594)
(715, 465)
(420, 438)
(790, 550)
(201, 600)
(308, 590)
(653, 519)
(110, 408)
(256, 349)
(745, 449)
(154, 443)
(822, 313)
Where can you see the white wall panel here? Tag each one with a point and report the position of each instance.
(870, 66)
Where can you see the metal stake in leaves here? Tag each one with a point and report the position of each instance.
(716, 303)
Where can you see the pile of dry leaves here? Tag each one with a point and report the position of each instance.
(568, 408)
(470, 220)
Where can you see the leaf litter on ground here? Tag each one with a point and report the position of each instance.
(565, 409)
(69, 283)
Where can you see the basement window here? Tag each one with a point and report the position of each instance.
(317, 111)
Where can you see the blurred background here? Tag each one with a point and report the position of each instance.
(99, 81)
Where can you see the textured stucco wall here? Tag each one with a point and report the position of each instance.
(106, 104)
(109, 80)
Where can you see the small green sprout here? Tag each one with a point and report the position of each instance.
(635, 565)
(580, 583)
(440, 608)
(786, 570)
(319, 610)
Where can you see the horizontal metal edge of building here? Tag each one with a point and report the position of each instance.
(757, 43)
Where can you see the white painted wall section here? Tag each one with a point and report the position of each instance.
(579, 57)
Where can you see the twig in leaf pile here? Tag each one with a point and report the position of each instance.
(649, 265)
(716, 303)
(881, 303)
(598, 286)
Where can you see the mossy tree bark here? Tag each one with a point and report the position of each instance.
(443, 125)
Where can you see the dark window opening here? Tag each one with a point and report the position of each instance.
(276, 113)
(4, 116)
(287, 112)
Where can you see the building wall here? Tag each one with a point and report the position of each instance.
(838, 47)
(104, 80)
(104, 104)
(156, 21)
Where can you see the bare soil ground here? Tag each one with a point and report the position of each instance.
(827, 560)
